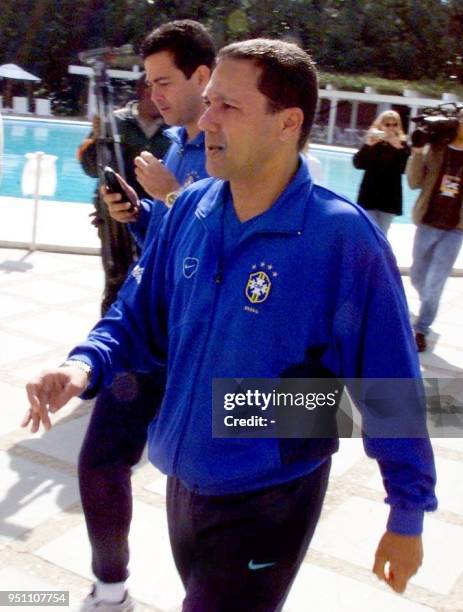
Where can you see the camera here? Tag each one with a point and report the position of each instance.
(378, 134)
(436, 126)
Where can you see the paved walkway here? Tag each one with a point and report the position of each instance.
(47, 303)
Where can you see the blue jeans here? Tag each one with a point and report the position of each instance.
(434, 254)
(382, 219)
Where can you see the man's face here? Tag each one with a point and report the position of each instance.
(146, 107)
(178, 99)
(241, 135)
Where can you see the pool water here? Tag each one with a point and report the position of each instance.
(62, 138)
(54, 138)
(340, 175)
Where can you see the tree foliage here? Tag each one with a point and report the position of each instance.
(409, 39)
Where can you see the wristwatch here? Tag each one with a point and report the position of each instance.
(171, 197)
(80, 365)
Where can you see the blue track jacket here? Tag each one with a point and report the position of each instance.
(187, 162)
(336, 303)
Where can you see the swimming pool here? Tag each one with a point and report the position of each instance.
(55, 138)
(62, 138)
(340, 175)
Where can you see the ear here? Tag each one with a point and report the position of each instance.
(202, 74)
(291, 123)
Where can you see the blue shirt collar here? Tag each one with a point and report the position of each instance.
(178, 134)
(286, 215)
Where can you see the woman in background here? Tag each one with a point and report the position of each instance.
(383, 157)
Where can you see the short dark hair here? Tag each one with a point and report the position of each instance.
(288, 78)
(189, 42)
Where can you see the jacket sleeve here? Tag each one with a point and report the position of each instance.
(132, 335)
(373, 340)
(363, 157)
(416, 169)
(87, 156)
(149, 220)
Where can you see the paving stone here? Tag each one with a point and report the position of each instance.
(321, 590)
(73, 328)
(153, 578)
(12, 398)
(30, 493)
(353, 530)
(13, 347)
(350, 451)
(48, 291)
(63, 441)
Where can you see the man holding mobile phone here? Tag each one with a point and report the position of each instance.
(178, 59)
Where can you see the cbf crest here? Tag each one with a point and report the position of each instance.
(259, 282)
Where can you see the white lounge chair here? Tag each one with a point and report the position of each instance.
(42, 106)
(20, 105)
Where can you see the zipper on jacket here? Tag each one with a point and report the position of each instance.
(218, 278)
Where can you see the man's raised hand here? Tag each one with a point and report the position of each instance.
(154, 177)
(120, 209)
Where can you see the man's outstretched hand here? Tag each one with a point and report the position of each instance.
(398, 558)
(50, 391)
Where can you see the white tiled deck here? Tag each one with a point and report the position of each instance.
(47, 302)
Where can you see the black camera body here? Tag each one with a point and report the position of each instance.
(436, 126)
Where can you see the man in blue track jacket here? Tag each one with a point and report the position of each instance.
(260, 274)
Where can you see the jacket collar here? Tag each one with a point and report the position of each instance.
(285, 216)
(178, 134)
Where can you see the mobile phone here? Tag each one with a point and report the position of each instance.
(113, 186)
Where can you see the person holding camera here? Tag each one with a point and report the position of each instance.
(140, 127)
(383, 157)
(437, 169)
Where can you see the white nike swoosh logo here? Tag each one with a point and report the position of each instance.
(257, 566)
(190, 266)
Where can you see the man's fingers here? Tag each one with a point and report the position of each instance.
(118, 207)
(398, 578)
(148, 157)
(398, 557)
(119, 211)
(34, 419)
(69, 391)
(109, 197)
(140, 163)
(35, 395)
(398, 584)
(379, 567)
(27, 418)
